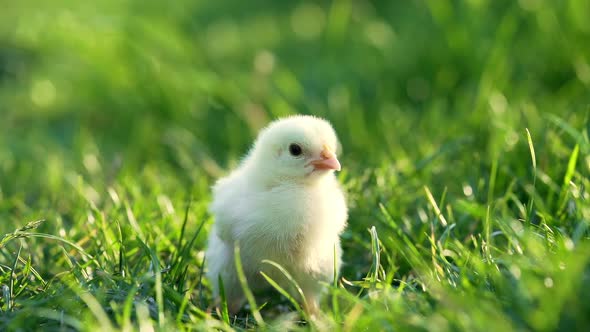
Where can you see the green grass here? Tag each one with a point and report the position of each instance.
(464, 126)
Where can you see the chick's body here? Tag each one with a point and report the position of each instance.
(283, 207)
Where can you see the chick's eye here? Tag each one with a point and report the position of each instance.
(295, 149)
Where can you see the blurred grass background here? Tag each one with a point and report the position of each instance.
(115, 111)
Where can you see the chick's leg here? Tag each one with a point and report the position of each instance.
(311, 291)
(312, 307)
(220, 257)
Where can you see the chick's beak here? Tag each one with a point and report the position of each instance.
(326, 161)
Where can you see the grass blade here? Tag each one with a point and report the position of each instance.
(532, 150)
(223, 299)
(376, 257)
(11, 280)
(432, 201)
(534, 161)
(571, 166)
(246, 289)
(283, 292)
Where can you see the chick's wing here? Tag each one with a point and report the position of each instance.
(228, 200)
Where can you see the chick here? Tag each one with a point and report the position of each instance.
(283, 203)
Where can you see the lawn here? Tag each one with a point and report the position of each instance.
(464, 127)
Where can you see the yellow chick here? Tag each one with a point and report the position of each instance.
(283, 203)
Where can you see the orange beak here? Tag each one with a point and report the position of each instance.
(327, 161)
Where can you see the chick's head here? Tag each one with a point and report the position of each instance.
(297, 148)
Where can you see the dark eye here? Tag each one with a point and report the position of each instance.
(295, 149)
